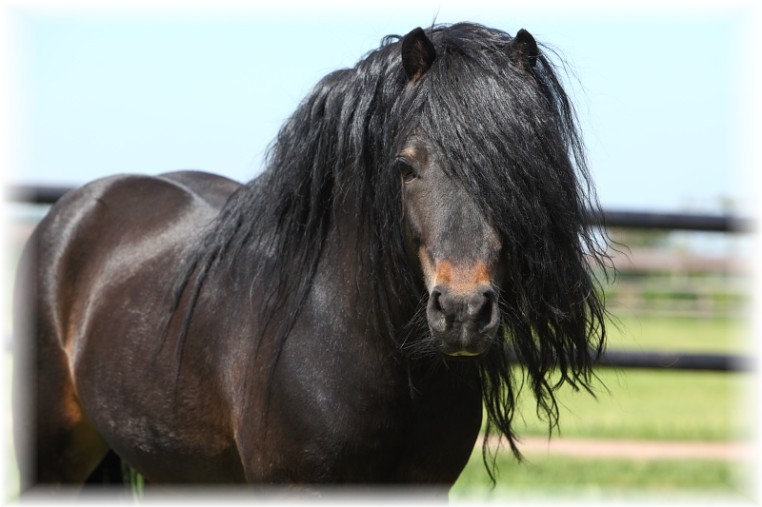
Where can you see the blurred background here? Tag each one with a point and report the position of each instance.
(667, 98)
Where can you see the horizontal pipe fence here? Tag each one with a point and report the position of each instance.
(672, 221)
(36, 194)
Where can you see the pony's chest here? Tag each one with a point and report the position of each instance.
(343, 427)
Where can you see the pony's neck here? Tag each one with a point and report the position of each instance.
(377, 291)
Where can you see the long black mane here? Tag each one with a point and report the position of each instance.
(510, 137)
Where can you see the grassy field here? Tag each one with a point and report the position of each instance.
(575, 479)
(652, 404)
(640, 404)
(686, 334)
(636, 404)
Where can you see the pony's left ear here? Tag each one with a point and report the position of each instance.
(417, 54)
(524, 50)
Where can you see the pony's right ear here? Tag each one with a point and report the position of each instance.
(417, 54)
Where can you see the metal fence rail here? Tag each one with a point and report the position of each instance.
(42, 194)
(673, 221)
(36, 194)
(676, 361)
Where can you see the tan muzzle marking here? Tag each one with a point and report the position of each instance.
(463, 279)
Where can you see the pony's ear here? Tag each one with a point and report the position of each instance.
(417, 54)
(524, 50)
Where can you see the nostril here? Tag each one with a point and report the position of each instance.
(486, 315)
(489, 296)
(435, 314)
(434, 301)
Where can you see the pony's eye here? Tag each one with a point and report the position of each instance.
(406, 170)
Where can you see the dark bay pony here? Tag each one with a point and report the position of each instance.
(345, 316)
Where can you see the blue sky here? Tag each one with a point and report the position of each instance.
(662, 89)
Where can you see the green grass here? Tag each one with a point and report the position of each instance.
(603, 479)
(651, 404)
(634, 404)
(639, 404)
(644, 404)
(717, 335)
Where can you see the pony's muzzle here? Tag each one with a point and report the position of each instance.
(464, 323)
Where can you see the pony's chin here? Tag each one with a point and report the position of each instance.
(464, 353)
(472, 350)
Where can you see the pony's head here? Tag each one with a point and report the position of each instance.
(494, 197)
(457, 248)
